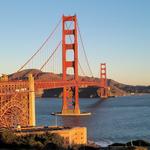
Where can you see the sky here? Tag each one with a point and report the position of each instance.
(114, 31)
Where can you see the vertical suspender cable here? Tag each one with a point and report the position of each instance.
(50, 56)
(84, 50)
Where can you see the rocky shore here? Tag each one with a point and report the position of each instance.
(132, 145)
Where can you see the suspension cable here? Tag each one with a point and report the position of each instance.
(84, 50)
(39, 49)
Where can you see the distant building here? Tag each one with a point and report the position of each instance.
(71, 136)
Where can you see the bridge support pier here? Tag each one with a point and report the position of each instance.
(64, 105)
(32, 121)
(70, 106)
(77, 108)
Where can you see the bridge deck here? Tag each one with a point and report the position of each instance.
(23, 86)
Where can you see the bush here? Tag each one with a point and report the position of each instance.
(54, 141)
(54, 138)
(7, 137)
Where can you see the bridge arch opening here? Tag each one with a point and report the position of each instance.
(14, 116)
(69, 39)
(69, 25)
(70, 55)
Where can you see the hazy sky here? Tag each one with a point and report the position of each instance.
(114, 31)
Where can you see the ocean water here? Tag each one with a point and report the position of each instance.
(118, 119)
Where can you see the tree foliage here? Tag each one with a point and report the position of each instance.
(38, 141)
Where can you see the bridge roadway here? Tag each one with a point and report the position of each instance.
(61, 84)
(22, 86)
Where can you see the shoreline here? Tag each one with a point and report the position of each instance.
(132, 143)
(136, 94)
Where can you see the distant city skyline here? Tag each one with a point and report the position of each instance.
(116, 32)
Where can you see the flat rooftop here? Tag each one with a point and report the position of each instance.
(41, 128)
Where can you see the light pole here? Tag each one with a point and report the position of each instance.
(56, 120)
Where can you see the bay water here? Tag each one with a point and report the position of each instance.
(119, 119)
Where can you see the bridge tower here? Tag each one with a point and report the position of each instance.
(72, 47)
(103, 81)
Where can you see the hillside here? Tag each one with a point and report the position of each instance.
(117, 89)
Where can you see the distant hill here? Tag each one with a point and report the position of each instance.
(117, 89)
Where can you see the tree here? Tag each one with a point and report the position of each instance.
(7, 136)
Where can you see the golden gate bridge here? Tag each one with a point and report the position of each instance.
(17, 97)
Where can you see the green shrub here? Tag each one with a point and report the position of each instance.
(7, 136)
(32, 141)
